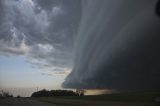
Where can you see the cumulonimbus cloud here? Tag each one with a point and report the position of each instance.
(117, 46)
(110, 44)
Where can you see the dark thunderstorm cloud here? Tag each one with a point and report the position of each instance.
(112, 44)
(117, 46)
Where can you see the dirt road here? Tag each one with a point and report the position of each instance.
(23, 102)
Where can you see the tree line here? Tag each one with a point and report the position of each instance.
(5, 95)
(46, 93)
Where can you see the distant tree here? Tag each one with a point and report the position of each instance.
(45, 93)
(18, 96)
(80, 92)
(6, 94)
(1, 96)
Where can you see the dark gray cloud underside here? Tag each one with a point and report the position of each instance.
(117, 47)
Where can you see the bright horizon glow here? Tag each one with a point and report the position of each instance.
(97, 91)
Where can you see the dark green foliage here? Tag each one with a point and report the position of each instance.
(45, 93)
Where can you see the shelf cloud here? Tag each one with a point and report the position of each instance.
(109, 44)
(117, 46)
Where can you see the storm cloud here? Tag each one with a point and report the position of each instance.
(117, 46)
(111, 44)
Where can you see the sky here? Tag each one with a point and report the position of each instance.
(21, 74)
(36, 42)
(86, 44)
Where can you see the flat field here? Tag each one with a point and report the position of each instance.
(121, 99)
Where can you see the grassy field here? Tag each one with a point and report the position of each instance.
(132, 96)
(121, 99)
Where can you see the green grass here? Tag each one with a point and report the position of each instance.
(132, 96)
